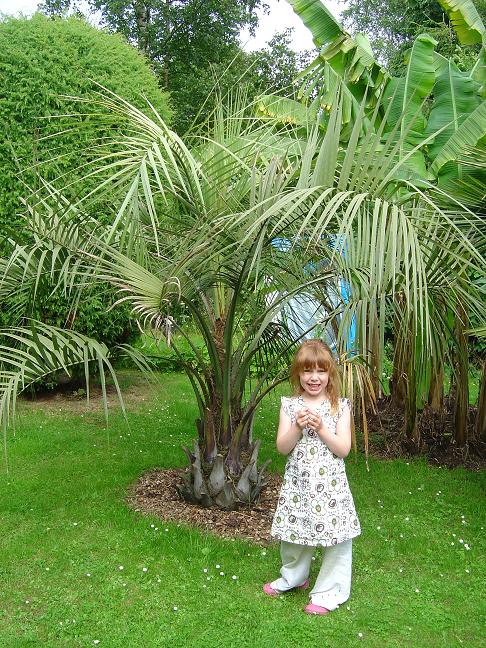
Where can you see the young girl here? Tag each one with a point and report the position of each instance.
(315, 506)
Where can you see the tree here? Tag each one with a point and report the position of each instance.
(393, 26)
(270, 69)
(276, 66)
(189, 42)
(198, 227)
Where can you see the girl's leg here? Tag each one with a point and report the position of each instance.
(333, 584)
(296, 561)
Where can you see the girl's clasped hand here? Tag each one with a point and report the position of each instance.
(306, 417)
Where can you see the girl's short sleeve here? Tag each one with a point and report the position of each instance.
(287, 407)
(343, 403)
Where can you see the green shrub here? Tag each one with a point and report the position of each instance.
(45, 133)
(93, 318)
(44, 62)
(164, 358)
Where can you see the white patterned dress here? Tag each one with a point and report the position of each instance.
(315, 506)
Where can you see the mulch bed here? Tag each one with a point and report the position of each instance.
(435, 434)
(155, 494)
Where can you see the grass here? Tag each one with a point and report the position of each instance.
(66, 533)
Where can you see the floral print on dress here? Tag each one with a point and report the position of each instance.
(315, 506)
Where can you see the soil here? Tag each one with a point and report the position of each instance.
(435, 437)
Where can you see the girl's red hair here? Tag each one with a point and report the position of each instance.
(316, 354)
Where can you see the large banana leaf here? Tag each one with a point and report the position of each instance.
(350, 59)
(469, 133)
(287, 111)
(455, 97)
(465, 19)
(478, 73)
(329, 83)
(362, 60)
(469, 187)
(322, 24)
(407, 95)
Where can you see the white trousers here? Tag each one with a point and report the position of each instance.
(333, 583)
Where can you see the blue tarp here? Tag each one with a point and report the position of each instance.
(304, 312)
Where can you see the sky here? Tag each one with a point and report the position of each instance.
(280, 17)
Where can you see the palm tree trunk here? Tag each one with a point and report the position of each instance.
(405, 381)
(411, 429)
(398, 382)
(208, 436)
(462, 383)
(436, 389)
(481, 415)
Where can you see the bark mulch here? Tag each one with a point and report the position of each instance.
(155, 494)
(435, 438)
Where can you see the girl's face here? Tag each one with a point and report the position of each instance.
(314, 382)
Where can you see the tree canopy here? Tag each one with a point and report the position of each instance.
(393, 25)
(166, 30)
(189, 42)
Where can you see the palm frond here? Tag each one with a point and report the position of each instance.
(34, 352)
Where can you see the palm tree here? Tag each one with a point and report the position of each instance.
(196, 226)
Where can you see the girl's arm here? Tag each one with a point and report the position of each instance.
(339, 443)
(288, 433)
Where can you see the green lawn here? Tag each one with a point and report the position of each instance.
(79, 568)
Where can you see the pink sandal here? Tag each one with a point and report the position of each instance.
(315, 609)
(268, 589)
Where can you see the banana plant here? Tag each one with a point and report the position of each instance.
(455, 98)
(465, 20)
(407, 95)
(457, 117)
(351, 59)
